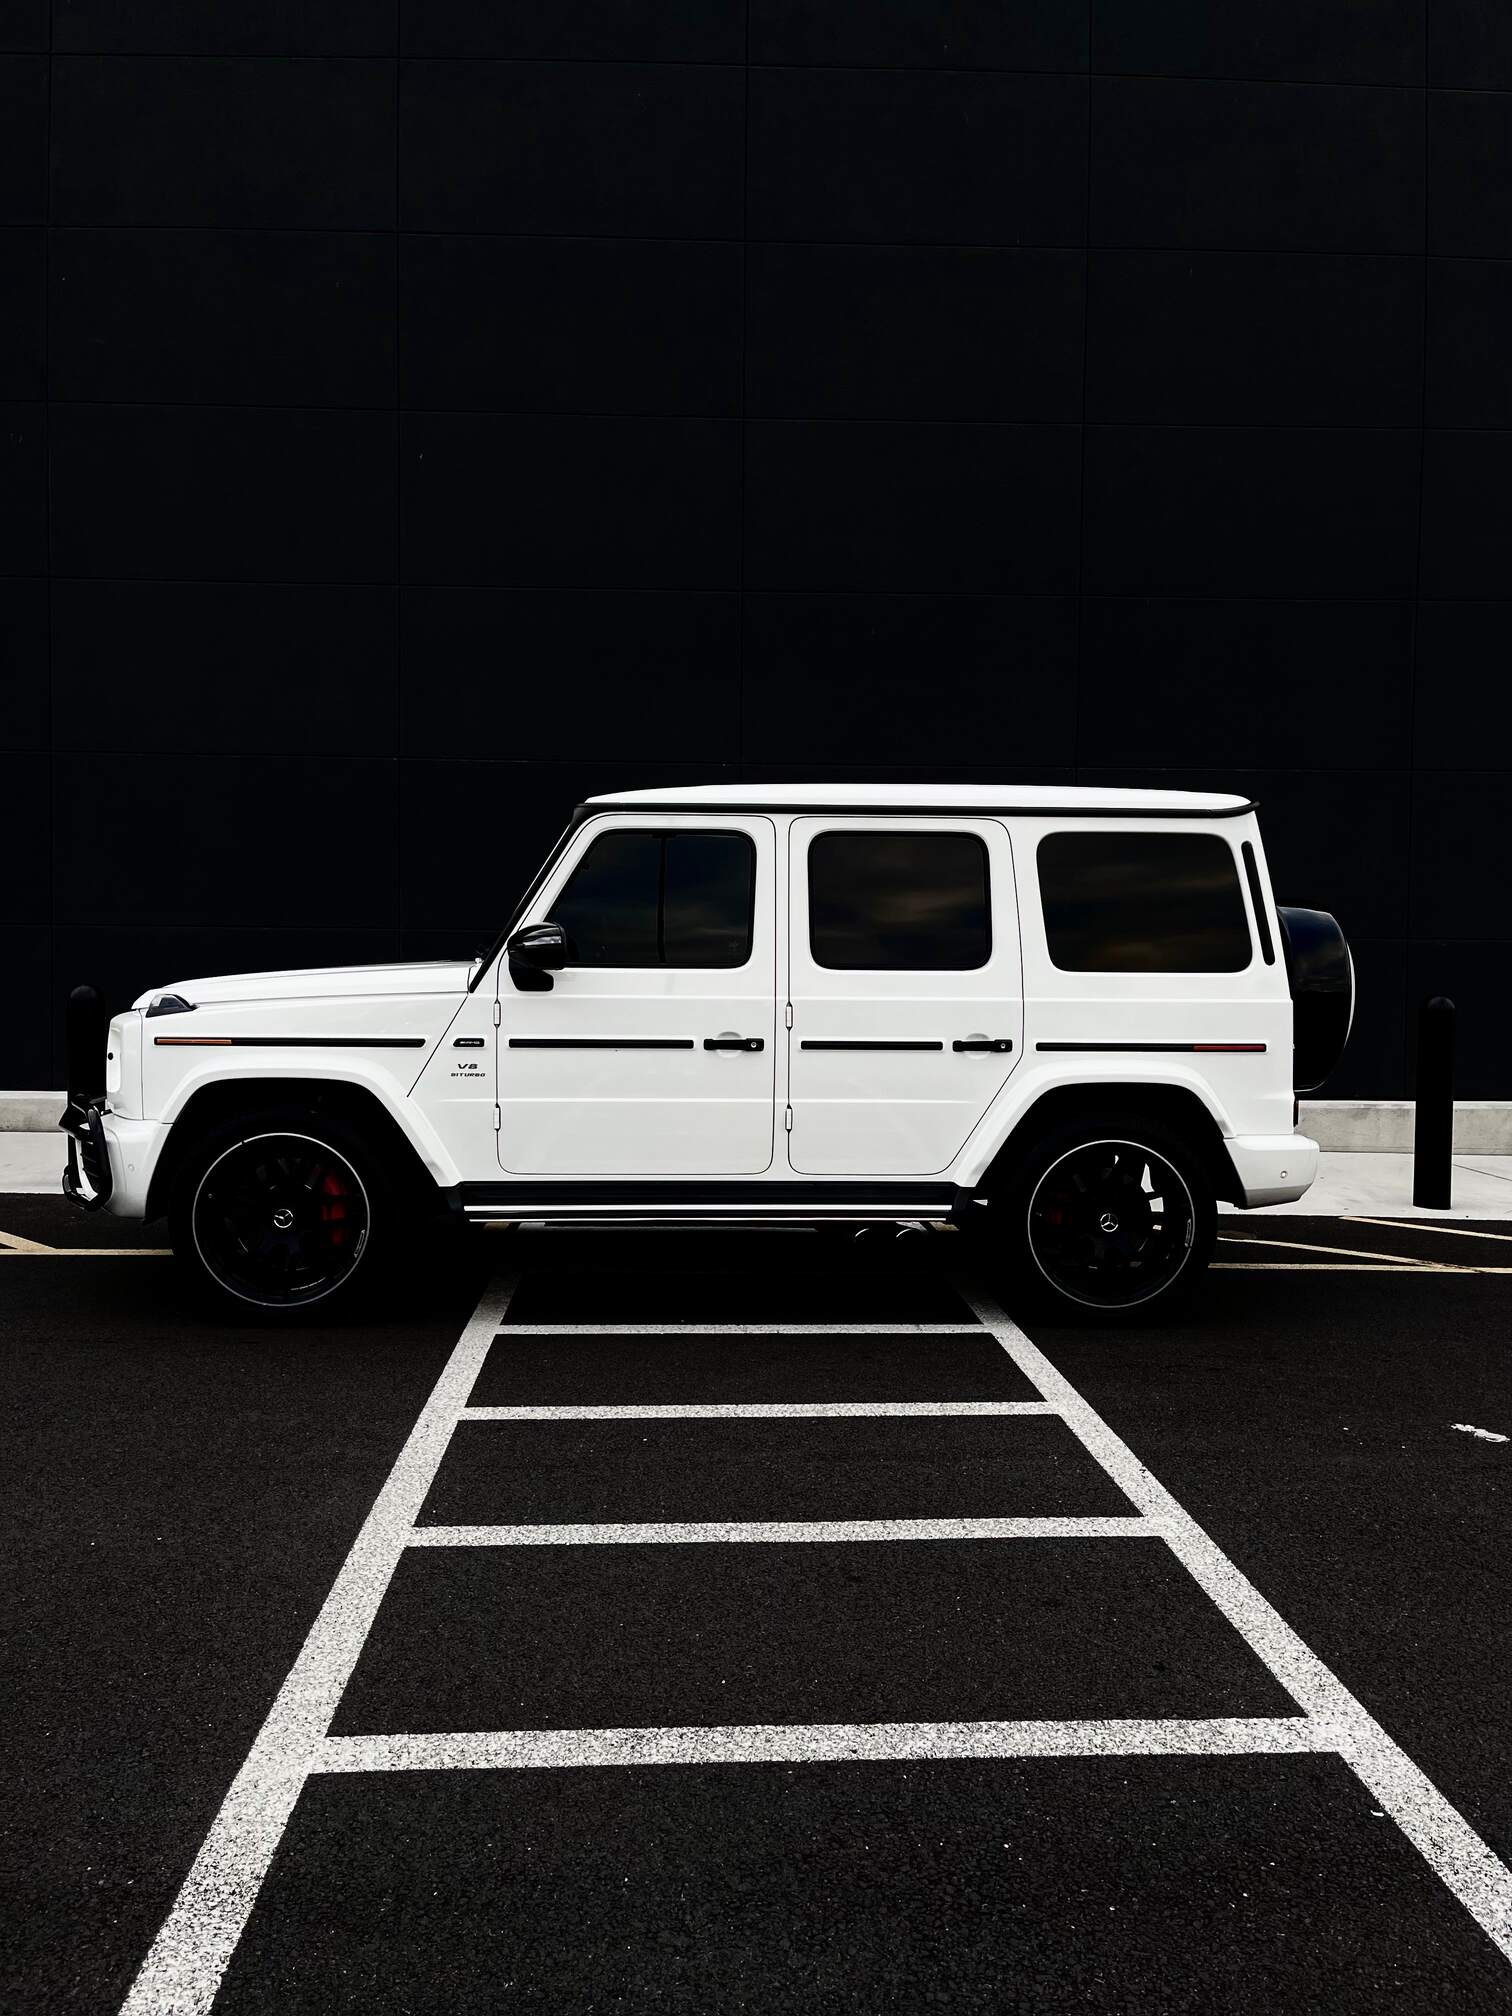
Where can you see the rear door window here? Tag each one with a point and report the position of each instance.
(899, 902)
(1142, 903)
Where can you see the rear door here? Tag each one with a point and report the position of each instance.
(653, 1053)
(906, 986)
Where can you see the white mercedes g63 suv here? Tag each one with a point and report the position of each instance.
(1067, 1019)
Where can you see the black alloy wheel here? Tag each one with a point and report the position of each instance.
(280, 1220)
(1111, 1224)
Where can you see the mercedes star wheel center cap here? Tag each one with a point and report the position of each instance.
(1108, 1222)
(283, 1218)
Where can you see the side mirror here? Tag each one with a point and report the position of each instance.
(535, 954)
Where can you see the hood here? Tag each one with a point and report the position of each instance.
(322, 983)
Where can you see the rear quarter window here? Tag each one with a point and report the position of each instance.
(1142, 903)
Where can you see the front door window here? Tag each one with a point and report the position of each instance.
(661, 899)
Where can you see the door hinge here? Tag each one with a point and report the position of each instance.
(498, 1013)
(498, 1119)
(788, 1122)
(789, 1017)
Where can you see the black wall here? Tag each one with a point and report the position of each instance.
(414, 423)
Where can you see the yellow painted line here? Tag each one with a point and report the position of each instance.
(31, 1252)
(1345, 1267)
(12, 1242)
(1345, 1252)
(1433, 1225)
(1318, 1267)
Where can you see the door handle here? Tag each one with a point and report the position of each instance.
(733, 1043)
(999, 1046)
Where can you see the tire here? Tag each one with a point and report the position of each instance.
(1050, 1220)
(282, 1212)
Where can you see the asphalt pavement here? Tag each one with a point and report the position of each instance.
(740, 1621)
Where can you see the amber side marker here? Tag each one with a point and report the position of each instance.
(200, 1042)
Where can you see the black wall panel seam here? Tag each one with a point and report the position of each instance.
(400, 882)
(1121, 245)
(461, 587)
(1417, 582)
(841, 69)
(745, 398)
(1081, 500)
(52, 785)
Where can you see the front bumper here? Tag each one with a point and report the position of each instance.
(110, 1160)
(87, 1177)
(1272, 1168)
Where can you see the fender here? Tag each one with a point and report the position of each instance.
(1028, 1086)
(333, 1067)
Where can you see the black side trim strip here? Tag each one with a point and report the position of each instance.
(1150, 1046)
(1257, 904)
(708, 1192)
(291, 1042)
(769, 805)
(871, 1046)
(601, 1042)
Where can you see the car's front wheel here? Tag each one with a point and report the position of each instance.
(1107, 1221)
(278, 1212)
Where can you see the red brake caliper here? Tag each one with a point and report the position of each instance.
(333, 1209)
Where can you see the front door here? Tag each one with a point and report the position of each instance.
(654, 1051)
(907, 990)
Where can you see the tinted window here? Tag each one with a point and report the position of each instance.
(609, 908)
(1142, 903)
(885, 901)
(709, 895)
(661, 899)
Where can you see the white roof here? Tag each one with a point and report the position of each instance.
(1068, 798)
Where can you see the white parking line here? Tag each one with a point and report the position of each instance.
(825, 1743)
(762, 1410)
(185, 1963)
(786, 1532)
(182, 1972)
(1444, 1838)
(878, 1329)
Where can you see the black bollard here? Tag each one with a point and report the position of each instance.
(85, 1052)
(1433, 1123)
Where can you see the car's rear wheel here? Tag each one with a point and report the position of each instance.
(278, 1212)
(1107, 1221)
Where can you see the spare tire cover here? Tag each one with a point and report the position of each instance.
(1320, 970)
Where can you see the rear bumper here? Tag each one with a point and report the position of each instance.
(110, 1160)
(1272, 1168)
